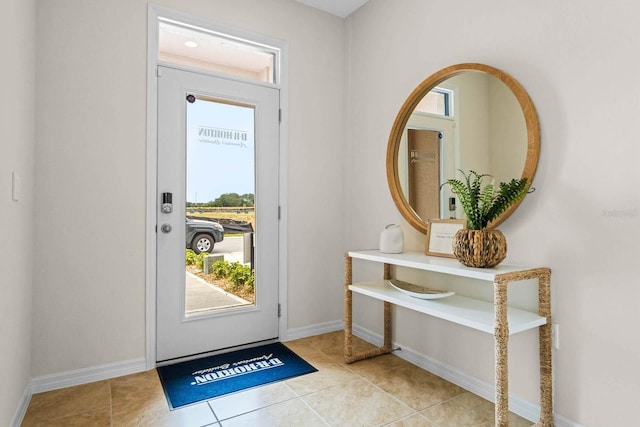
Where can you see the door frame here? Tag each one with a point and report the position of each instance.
(154, 13)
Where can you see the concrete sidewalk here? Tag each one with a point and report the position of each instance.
(202, 296)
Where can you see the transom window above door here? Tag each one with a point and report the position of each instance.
(212, 51)
(438, 101)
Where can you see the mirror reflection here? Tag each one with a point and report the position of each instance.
(471, 121)
(463, 117)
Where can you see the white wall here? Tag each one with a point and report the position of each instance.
(576, 59)
(493, 133)
(90, 170)
(508, 133)
(17, 139)
(473, 110)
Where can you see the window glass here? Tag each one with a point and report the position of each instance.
(438, 102)
(211, 51)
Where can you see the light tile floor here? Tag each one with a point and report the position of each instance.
(382, 391)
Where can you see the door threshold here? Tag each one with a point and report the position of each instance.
(215, 352)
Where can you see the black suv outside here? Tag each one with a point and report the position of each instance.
(202, 235)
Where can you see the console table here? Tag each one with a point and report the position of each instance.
(495, 318)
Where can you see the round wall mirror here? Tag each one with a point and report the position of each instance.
(464, 117)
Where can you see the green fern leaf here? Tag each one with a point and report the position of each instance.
(484, 204)
(509, 194)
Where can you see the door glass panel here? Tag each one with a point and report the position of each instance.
(220, 210)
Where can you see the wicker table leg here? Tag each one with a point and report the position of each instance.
(349, 357)
(387, 314)
(544, 309)
(501, 359)
(502, 338)
(348, 309)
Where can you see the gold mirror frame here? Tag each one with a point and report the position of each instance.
(530, 117)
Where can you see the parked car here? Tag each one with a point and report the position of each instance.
(202, 235)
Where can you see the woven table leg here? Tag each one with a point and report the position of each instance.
(348, 309)
(544, 309)
(349, 357)
(501, 359)
(387, 313)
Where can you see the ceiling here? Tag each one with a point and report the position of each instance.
(341, 8)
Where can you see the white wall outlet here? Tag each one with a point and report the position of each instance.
(555, 335)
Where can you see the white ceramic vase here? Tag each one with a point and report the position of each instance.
(392, 239)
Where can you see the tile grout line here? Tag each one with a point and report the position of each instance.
(214, 413)
(414, 412)
(359, 377)
(347, 366)
(418, 411)
(301, 397)
(304, 402)
(256, 409)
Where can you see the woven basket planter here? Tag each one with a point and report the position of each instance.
(480, 248)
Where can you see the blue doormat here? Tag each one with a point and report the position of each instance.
(196, 380)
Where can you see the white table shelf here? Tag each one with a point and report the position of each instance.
(495, 318)
(465, 311)
(436, 264)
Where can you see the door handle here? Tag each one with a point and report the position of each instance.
(166, 228)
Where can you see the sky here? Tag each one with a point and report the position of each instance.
(220, 150)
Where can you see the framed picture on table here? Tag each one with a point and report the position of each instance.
(440, 233)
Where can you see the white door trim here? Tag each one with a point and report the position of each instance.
(153, 16)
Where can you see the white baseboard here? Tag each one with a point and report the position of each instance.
(21, 410)
(72, 378)
(317, 329)
(86, 375)
(113, 370)
(517, 405)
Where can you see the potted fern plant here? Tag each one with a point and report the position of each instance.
(478, 245)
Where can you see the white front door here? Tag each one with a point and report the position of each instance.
(215, 137)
